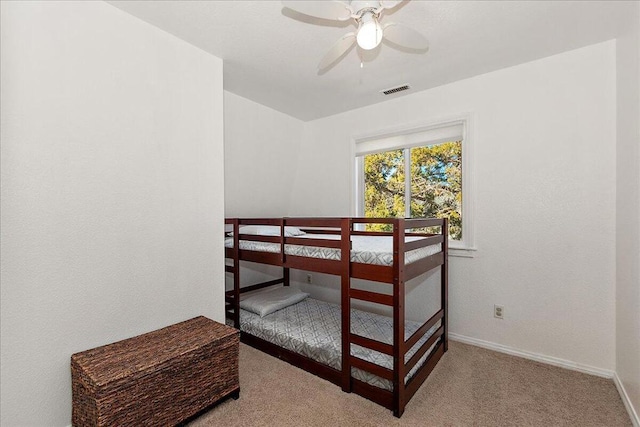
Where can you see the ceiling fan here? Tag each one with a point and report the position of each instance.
(366, 16)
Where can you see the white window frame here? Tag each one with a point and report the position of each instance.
(464, 247)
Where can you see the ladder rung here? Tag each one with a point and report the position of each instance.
(372, 344)
(371, 297)
(378, 370)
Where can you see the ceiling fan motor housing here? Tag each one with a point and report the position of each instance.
(359, 7)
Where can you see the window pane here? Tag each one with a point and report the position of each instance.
(384, 187)
(436, 184)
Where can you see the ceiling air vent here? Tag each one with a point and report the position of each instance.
(395, 89)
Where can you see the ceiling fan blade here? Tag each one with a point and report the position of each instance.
(405, 37)
(389, 4)
(334, 10)
(337, 50)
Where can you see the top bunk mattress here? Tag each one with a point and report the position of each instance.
(364, 249)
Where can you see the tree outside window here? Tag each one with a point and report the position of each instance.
(434, 188)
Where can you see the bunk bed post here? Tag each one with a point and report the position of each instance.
(345, 285)
(398, 317)
(285, 276)
(236, 273)
(444, 284)
(285, 270)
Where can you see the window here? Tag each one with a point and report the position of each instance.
(417, 173)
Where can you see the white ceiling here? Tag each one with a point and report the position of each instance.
(270, 53)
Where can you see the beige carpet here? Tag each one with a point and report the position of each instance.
(470, 386)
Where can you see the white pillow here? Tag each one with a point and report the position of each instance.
(266, 302)
(269, 230)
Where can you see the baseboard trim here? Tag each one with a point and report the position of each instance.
(635, 420)
(536, 357)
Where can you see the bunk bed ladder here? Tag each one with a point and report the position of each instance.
(397, 399)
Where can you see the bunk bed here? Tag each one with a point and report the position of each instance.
(384, 359)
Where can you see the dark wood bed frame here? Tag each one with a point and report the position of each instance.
(396, 275)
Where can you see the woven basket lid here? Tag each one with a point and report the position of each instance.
(124, 361)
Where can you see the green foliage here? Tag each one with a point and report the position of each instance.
(384, 187)
(436, 185)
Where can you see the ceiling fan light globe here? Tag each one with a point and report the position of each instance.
(370, 32)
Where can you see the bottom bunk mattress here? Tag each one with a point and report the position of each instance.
(312, 328)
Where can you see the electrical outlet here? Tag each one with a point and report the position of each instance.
(498, 311)
(309, 278)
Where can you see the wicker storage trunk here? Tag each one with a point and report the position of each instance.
(160, 378)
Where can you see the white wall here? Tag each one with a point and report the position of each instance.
(628, 209)
(260, 154)
(261, 149)
(545, 140)
(112, 191)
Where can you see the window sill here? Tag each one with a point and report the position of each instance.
(462, 252)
